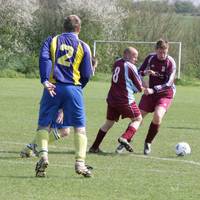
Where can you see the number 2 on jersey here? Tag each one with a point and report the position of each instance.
(62, 60)
(116, 74)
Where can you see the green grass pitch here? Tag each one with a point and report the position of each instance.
(160, 176)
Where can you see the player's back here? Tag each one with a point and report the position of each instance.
(67, 53)
(123, 84)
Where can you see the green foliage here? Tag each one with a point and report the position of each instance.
(11, 74)
(21, 37)
(16, 59)
(28, 66)
(184, 7)
(45, 22)
(185, 81)
(102, 77)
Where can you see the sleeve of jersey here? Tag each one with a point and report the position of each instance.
(170, 79)
(86, 66)
(134, 76)
(45, 62)
(143, 67)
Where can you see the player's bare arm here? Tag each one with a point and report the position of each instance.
(150, 72)
(148, 91)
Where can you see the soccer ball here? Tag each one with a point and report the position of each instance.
(182, 149)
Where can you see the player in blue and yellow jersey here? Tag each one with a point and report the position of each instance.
(56, 132)
(65, 69)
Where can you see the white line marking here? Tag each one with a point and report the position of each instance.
(168, 159)
(139, 156)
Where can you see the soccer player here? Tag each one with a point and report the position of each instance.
(65, 69)
(121, 102)
(57, 130)
(158, 96)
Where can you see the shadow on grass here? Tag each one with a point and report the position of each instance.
(88, 153)
(49, 177)
(4, 157)
(182, 128)
(69, 152)
(62, 152)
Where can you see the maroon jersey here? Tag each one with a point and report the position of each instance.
(125, 82)
(163, 82)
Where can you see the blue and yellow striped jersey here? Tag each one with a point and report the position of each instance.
(65, 59)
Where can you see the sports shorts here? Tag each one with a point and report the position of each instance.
(125, 111)
(70, 99)
(148, 103)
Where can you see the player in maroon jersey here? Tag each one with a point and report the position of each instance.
(120, 100)
(158, 95)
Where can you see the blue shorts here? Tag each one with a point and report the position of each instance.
(58, 126)
(70, 99)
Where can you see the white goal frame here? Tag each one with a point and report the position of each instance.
(140, 42)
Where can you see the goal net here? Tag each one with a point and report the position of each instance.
(108, 51)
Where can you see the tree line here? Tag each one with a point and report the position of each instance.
(23, 31)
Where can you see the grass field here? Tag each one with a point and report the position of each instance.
(130, 176)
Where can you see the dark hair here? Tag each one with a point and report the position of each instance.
(71, 23)
(162, 44)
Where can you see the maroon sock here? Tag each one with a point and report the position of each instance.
(153, 130)
(101, 134)
(129, 133)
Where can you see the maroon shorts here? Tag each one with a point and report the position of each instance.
(149, 102)
(125, 111)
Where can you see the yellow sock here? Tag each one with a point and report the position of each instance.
(42, 139)
(54, 135)
(80, 142)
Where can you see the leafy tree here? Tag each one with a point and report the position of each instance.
(184, 7)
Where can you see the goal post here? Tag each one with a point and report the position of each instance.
(176, 51)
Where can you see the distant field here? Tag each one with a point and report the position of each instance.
(131, 176)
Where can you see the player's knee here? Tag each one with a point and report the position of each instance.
(157, 119)
(64, 132)
(138, 119)
(107, 125)
(80, 130)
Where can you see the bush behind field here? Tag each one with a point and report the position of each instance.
(23, 29)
